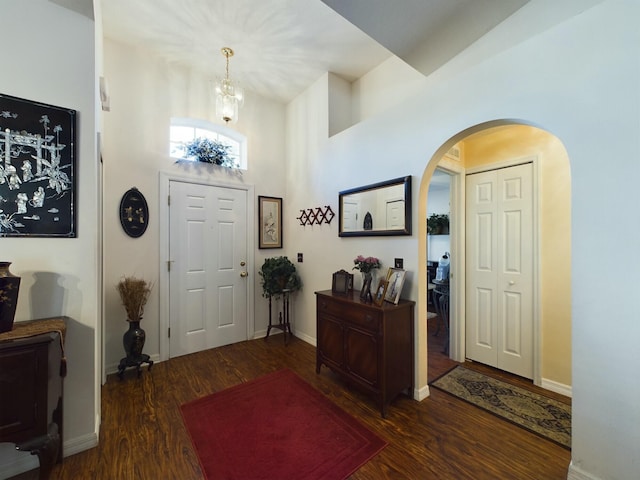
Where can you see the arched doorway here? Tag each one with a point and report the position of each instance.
(494, 145)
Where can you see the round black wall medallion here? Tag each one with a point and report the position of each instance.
(134, 213)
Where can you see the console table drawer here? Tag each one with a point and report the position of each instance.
(364, 318)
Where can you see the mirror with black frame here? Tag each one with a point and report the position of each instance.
(382, 208)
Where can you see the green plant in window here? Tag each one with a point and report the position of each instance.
(210, 151)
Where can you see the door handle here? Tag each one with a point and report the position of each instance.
(511, 282)
(244, 274)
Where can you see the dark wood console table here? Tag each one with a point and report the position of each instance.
(369, 346)
(32, 366)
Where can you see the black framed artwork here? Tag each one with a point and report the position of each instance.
(134, 213)
(37, 169)
(270, 222)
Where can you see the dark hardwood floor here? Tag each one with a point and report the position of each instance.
(142, 435)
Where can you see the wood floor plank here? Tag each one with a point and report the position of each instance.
(143, 437)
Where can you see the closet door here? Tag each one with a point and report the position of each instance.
(499, 252)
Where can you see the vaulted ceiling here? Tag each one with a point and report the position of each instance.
(283, 46)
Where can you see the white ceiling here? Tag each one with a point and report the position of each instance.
(283, 46)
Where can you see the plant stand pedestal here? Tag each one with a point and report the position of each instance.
(283, 317)
(134, 362)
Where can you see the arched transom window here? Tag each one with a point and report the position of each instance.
(184, 130)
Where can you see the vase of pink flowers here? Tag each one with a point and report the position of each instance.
(367, 266)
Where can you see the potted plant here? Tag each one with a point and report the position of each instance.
(278, 274)
(210, 151)
(438, 224)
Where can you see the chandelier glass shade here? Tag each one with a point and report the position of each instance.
(229, 96)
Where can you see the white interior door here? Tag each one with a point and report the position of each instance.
(499, 277)
(395, 215)
(208, 276)
(350, 216)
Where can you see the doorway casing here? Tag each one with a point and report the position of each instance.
(165, 178)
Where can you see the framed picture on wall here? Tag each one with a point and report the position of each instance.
(395, 281)
(37, 169)
(269, 222)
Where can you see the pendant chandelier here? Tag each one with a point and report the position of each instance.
(229, 97)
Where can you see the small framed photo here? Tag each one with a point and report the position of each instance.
(270, 222)
(378, 298)
(342, 282)
(395, 280)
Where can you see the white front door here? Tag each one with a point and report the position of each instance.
(499, 277)
(207, 280)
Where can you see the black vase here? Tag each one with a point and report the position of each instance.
(133, 341)
(9, 287)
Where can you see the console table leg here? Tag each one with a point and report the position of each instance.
(46, 448)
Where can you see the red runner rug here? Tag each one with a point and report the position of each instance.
(276, 427)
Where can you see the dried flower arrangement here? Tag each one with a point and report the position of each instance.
(134, 293)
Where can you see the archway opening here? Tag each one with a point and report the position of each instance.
(489, 146)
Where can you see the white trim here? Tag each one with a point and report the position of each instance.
(560, 388)
(165, 178)
(304, 337)
(457, 250)
(575, 473)
(420, 394)
(80, 444)
(503, 164)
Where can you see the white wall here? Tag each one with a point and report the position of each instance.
(48, 56)
(145, 93)
(581, 87)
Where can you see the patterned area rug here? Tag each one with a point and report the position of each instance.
(539, 414)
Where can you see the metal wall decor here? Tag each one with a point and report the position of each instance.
(37, 169)
(134, 213)
(316, 216)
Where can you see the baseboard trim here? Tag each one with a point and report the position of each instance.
(556, 387)
(306, 338)
(80, 444)
(576, 473)
(420, 394)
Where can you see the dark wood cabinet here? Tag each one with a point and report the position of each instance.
(31, 373)
(368, 345)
